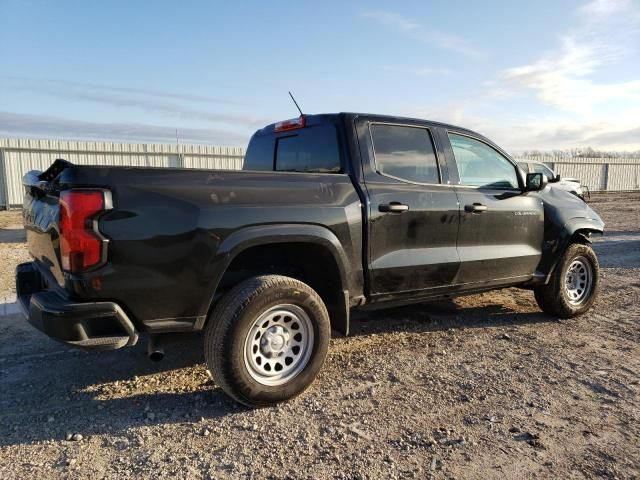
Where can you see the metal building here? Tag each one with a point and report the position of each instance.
(599, 174)
(18, 156)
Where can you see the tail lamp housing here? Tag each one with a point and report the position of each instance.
(81, 245)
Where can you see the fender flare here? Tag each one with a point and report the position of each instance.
(260, 235)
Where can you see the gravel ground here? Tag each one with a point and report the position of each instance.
(483, 387)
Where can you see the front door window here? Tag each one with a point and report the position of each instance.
(480, 165)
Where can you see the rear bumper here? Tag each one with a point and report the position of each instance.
(88, 325)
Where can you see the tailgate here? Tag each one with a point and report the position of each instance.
(41, 214)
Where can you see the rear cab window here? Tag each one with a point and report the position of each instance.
(312, 149)
(405, 152)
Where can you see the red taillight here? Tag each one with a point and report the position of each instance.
(291, 124)
(80, 245)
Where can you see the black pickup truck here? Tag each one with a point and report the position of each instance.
(331, 212)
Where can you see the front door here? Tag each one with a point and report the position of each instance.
(413, 216)
(501, 227)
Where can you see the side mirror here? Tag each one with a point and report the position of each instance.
(536, 182)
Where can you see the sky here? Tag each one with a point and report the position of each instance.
(542, 75)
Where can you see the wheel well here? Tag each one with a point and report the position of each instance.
(582, 236)
(312, 264)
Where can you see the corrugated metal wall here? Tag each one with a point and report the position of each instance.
(599, 174)
(593, 175)
(623, 176)
(18, 156)
(3, 183)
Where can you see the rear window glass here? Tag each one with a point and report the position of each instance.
(259, 154)
(405, 152)
(311, 149)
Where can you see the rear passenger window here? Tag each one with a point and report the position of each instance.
(311, 149)
(405, 153)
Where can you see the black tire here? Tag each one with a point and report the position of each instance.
(234, 317)
(553, 298)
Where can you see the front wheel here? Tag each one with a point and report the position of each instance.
(573, 285)
(267, 339)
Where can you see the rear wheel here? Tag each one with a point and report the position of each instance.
(573, 285)
(267, 339)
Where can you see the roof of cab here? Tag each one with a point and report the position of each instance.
(321, 117)
(401, 119)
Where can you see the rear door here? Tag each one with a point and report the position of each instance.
(413, 211)
(501, 227)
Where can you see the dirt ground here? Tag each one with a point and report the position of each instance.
(483, 387)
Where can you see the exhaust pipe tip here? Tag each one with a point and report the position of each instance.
(155, 352)
(156, 355)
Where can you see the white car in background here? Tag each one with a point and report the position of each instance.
(571, 185)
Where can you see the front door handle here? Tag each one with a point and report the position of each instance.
(393, 207)
(475, 208)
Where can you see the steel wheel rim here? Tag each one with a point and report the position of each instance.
(279, 345)
(578, 280)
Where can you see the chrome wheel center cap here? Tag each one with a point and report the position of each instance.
(274, 341)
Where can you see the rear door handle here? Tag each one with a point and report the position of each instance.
(475, 208)
(393, 207)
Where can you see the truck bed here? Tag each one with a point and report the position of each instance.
(170, 231)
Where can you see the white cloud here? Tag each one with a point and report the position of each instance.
(34, 83)
(586, 99)
(429, 35)
(563, 81)
(395, 20)
(172, 105)
(516, 132)
(582, 104)
(25, 125)
(553, 133)
(604, 7)
(606, 36)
